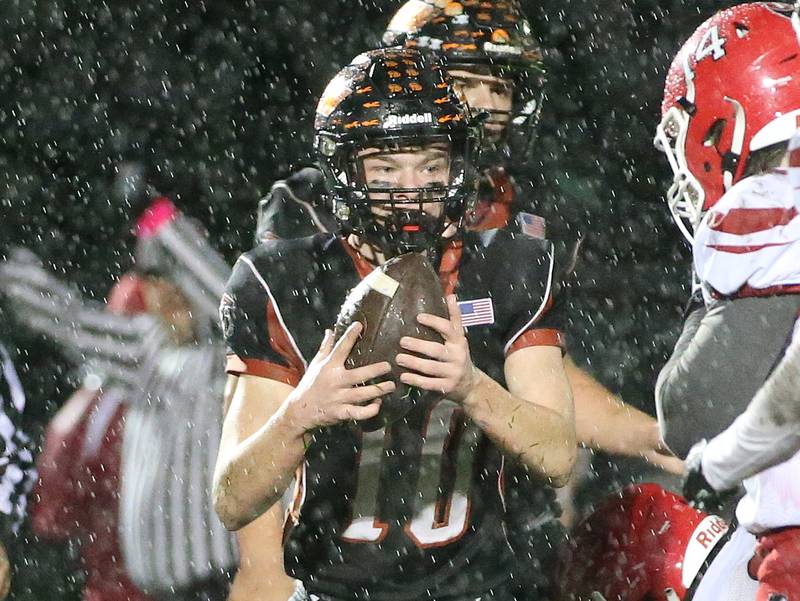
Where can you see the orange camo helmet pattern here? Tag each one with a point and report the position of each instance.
(468, 32)
(475, 35)
(394, 98)
(393, 89)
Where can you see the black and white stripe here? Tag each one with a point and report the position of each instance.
(170, 533)
(120, 348)
(17, 471)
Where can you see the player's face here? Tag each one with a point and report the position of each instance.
(411, 169)
(485, 92)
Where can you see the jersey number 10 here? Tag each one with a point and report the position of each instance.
(449, 445)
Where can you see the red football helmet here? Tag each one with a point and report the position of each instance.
(644, 543)
(734, 88)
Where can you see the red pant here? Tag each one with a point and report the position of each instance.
(776, 564)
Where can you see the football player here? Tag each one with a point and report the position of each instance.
(496, 66)
(731, 105)
(415, 509)
(731, 102)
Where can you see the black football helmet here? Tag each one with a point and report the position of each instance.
(486, 37)
(394, 99)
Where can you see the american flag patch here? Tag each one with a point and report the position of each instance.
(476, 312)
(531, 225)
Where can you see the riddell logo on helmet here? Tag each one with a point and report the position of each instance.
(501, 48)
(413, 119)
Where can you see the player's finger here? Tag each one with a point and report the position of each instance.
(440, 324)
(362, 394)
(427, 367)
(326, 345)
(434, 350)
(455, 312)
(367, 372)
(359, 412)
(424, 382)
(345, 344)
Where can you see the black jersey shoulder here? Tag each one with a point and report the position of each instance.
(298, 283)
(513, 274)
(295, 208)
(519, 269)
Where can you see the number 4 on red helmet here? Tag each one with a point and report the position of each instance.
(732, 90)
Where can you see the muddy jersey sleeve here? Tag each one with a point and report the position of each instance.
(257, 341)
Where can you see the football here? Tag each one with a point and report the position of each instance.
(387, 303)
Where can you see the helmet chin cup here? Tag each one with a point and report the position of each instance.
(685, 196)
(412, 231)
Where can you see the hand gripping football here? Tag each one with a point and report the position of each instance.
(387, 303)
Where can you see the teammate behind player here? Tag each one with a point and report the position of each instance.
(504, 79)
(496, 66)
(371, 517)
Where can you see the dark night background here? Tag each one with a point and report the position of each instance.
(217, 98)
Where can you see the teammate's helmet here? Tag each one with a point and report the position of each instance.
(732, 90)
(394, 98)
(490, 35)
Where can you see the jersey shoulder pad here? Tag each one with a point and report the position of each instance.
(261, 283)
(521, 272)
(751, 237)
(282, 260)
(518, 257)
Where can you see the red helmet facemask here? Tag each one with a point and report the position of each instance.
(733, 89)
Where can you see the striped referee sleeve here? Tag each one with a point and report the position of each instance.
(171, 536)
(119, 347)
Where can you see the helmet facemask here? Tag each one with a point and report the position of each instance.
(685, 196)
(507, 132)
(371, 201)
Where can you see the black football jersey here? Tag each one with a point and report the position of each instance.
(415, 510)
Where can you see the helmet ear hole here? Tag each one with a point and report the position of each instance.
(714, 133)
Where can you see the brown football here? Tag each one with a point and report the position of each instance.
(387, 303)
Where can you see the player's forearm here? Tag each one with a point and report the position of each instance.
(603, 421)
(255, 587)
(258, 471)
(767, 433)
(542, 438)
(261, 575)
